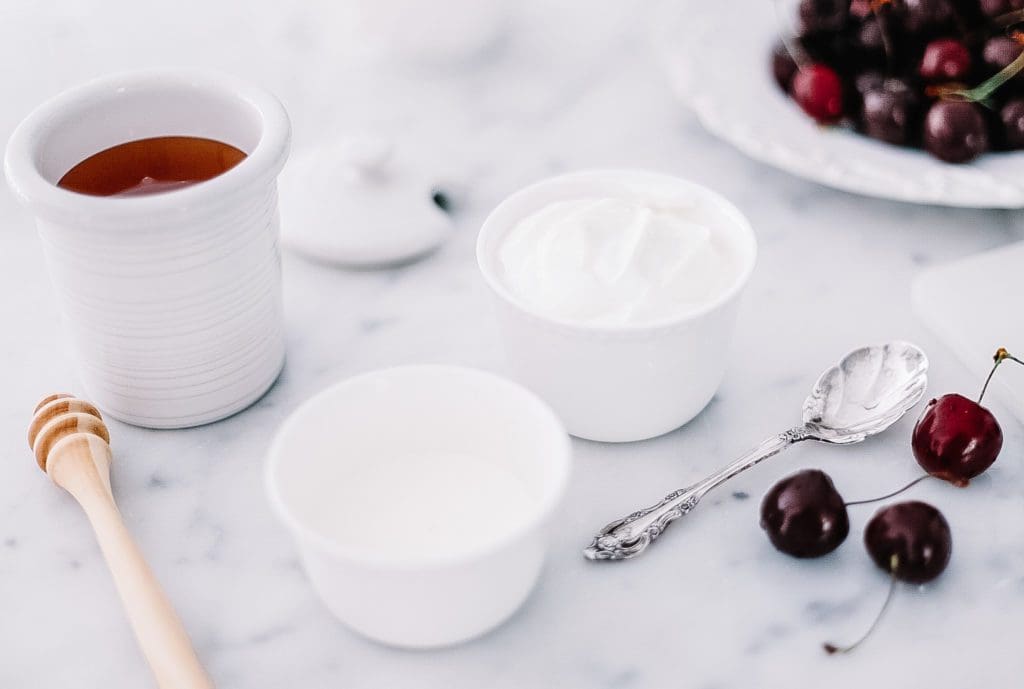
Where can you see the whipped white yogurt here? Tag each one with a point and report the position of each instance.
(617, 260)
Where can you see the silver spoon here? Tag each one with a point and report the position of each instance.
(862, 395)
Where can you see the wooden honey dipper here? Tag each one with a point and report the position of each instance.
(71, 444)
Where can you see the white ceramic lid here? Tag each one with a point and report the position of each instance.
(360, 201)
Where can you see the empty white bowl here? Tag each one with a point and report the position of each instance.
(623, 382)
(418, 497)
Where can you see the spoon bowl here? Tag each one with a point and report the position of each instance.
(866, 392)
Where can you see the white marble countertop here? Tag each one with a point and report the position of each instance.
(713, 606)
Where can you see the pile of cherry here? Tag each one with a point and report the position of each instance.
(955, 440)
(938, 74)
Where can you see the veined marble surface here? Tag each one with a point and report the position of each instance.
(712, 606)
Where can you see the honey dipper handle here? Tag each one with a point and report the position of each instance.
(157, 627)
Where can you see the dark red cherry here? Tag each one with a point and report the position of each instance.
(945, 59)
(922, 15)
(909, 540)
(1000, 51)
(890, 112)
(868, 81)
(869, 34)
(1012, 117)
(862, 84)
(871, 44)
(996, 8)
(955, 131)
(804, 515)
(956, 439)
(822, 15)
(819, 92)
(783, 65)
(861, 9)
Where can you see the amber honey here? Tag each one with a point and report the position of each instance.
(151, 166)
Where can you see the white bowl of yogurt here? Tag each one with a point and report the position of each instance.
(616, 292)
(419, 497)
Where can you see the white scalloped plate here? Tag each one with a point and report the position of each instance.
(718, 58)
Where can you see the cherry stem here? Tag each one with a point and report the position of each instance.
(892, 494)
(982, 91)
(883, 29)
(795, 52)
(999, 357)
(832, 649)
(1010, 18)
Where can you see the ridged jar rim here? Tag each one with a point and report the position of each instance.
(50, 202)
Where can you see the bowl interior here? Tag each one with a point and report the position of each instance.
(418, 463)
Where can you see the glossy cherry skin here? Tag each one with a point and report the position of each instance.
(890, 112)
(921, 15)
(863, 83)
(945, 59)
(861, 9)
(956, 439)
(955, 131)
(868, 81)
(1000, 51)
(819, 92)
(869, 35)
(1012, 117)
(995, 8)
(823, 15)
(804, 515)
(913, 536)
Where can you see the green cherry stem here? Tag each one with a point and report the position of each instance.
(1009, 19)
(883, 28)
(982, 92)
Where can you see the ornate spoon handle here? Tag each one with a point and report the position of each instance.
(628, 537)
